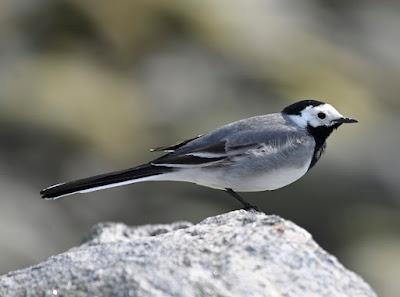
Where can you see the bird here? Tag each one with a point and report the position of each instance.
(261, 153)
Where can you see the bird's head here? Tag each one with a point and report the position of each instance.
(316, 114)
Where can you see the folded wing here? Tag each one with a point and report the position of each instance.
(262, 133)
(223, 151)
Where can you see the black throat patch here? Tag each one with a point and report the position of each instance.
(320, 135)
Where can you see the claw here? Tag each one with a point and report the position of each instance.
(251, 208)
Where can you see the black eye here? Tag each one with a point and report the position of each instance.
(322, 115)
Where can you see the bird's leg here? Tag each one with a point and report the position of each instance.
(246, 205)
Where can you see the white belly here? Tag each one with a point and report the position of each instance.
(270, 180)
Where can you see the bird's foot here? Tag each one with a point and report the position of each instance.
(252, 208)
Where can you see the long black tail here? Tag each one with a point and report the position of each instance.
(102, 181)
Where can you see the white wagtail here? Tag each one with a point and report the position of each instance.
(261, 153)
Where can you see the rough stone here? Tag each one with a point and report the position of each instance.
(235, 254)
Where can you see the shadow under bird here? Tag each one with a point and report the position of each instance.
(261, 153)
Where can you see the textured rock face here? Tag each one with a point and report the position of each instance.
(236, 254)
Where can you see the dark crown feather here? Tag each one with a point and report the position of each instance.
(298, 107)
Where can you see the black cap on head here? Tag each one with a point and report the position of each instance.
(298, 107)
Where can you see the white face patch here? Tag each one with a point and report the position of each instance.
(317, 116)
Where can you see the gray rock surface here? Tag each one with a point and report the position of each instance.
(235, 254)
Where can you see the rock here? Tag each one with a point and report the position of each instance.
(235, 254)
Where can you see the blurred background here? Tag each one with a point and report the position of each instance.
(89, 86)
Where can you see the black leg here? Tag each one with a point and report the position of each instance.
(246, 205)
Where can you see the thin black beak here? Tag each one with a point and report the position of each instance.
(345, 121)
